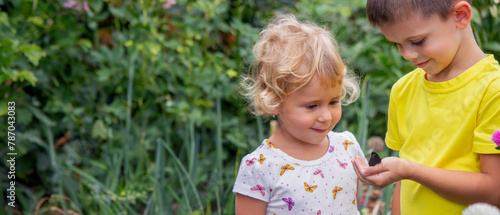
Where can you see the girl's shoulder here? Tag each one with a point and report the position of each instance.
(261, 153)
(345, 141)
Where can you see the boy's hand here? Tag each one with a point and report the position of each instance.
(390, 170)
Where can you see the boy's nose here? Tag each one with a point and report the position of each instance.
(408, 53)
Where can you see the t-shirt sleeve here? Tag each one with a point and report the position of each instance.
(357, 148)
(488, 120)
(392, 138)
(251, 180)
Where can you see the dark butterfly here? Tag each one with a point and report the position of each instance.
(374, 159)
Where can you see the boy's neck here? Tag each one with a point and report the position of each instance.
(467, 56)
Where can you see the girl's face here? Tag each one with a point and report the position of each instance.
(307, 115)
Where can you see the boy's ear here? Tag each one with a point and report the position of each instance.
(463, 14)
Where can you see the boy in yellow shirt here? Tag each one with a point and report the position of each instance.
(442, 114)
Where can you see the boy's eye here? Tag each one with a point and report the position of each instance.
(418, 42)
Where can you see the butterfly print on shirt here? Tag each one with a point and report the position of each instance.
(262, 159)
(319, 172)
(270, 145)
(342, 164)
(335, 191)
(346, 143)
(290, 202)
(331, 149)
(285, 168)
(309, 188)
(251, 162)
(259, 188)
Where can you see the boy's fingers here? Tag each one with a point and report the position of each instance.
(355, 167)
(359, 165)
(366, 170)
(372, 170)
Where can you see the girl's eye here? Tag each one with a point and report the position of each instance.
(418, 42)
(334, 102)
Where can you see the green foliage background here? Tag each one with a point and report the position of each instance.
(132, 108)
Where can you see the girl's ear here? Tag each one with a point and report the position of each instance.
(463, 14)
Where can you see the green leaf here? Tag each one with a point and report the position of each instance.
(36, 20)
(476, 18)
(40, 115)
(85, 44)
(120, 12)
(99, 130)
(33, 52)
(7, 74)
(14, 75)
(4, 19)
(28, 76)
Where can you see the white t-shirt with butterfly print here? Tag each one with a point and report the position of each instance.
(326, 185)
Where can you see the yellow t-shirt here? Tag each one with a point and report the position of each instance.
(444, 125)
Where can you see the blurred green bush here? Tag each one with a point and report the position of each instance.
(131, 107)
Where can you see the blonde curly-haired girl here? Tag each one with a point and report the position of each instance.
(303, 167)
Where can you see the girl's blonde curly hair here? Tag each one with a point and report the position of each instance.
(288, 54)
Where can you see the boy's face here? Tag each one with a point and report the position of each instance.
(430, 44)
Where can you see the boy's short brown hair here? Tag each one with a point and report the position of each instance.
(387, 11)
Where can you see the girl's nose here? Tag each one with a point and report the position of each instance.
(325, 115)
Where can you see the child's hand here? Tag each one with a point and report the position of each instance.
(390, 170)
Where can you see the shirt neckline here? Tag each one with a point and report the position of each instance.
(299, 162)
(456, 83)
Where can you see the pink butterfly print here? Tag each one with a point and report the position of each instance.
(259, 188)
(251, 162)
(319, 212)
(318, 171)
(341, 164)
(331, 149)
(290, 202)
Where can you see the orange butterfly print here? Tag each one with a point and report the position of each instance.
(347, 142)
(285, 168)
(334, 191)
(262, 159)
(309, 188)
(270, 145)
